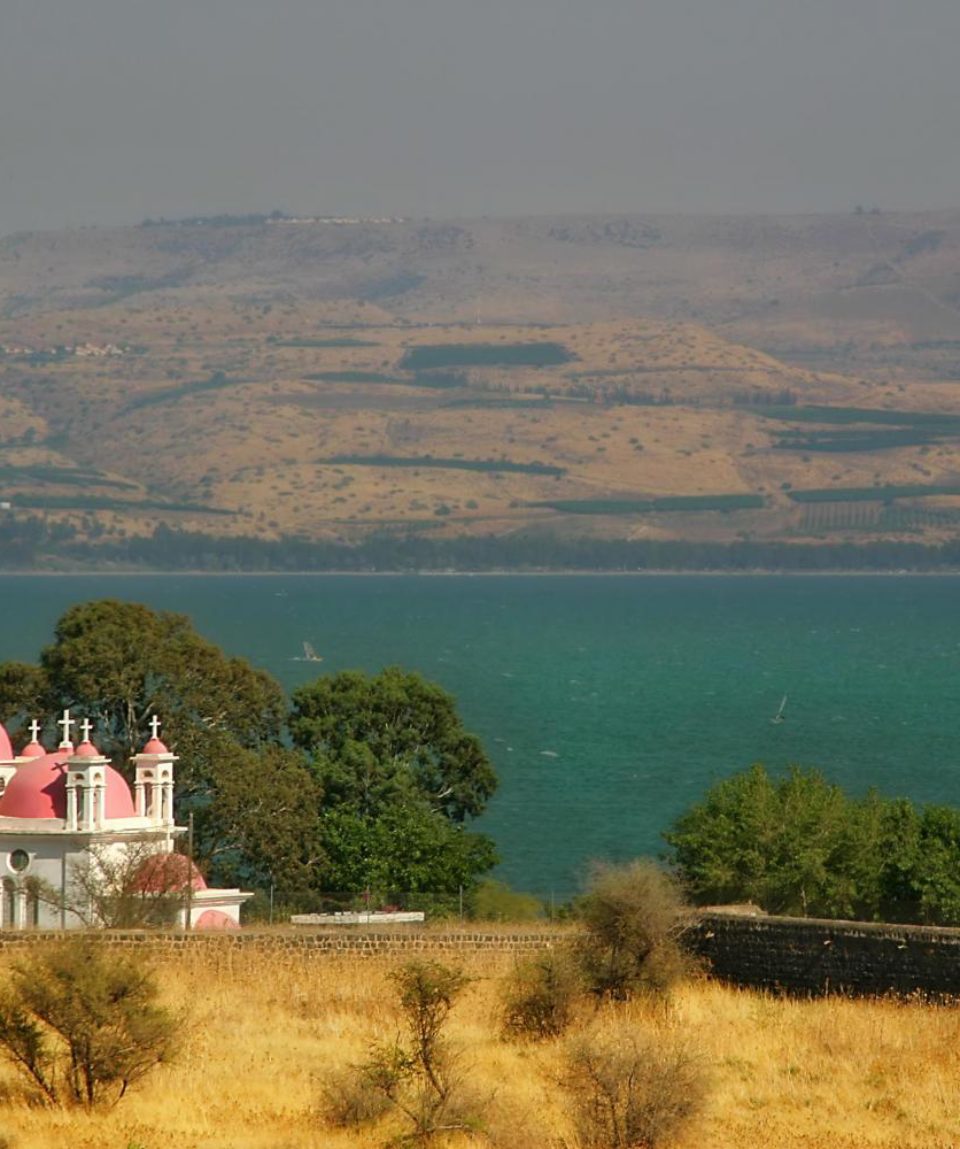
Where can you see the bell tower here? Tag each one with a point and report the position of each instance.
(153, 784)
(86, 779)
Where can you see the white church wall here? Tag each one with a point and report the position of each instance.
(68, 812)
(34, 872)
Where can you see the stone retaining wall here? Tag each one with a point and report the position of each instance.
(359, 941)
(812, 956)
(794, 955)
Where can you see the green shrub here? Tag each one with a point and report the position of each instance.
(494, 901)
(83, 1024)
(667, 504)
(874, 494)
(491, 466)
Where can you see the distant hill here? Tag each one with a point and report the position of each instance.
(713, 379)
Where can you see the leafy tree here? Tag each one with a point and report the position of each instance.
(407, 850)
(799, 845)
(263, 825)
(83, 1023)
(390, 736)
(918, 875)
(400, 777)
(373, 794)
(121, 663)
(21, 688)
(783, 844)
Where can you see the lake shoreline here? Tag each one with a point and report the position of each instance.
(505, 573)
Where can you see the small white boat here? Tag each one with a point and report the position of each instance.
(780, 716)
(309, 655)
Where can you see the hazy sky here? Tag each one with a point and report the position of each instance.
(112, 110)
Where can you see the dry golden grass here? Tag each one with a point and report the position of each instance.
(267, 1032)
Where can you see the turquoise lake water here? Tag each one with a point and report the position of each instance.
(608, 704)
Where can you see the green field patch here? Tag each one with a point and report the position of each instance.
(61, 476)
(846, 415)
(489, 465)
(883, 494)
(823, 518)
(666, 503)
(355, 377)
(432, 355)
(340, 341)
(434, 380)
(440, 380)
(852, 441)
(217, 382)
(480, 403)
(105, 503)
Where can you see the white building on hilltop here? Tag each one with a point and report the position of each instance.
(67, 813)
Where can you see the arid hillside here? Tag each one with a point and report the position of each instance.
(596, 377)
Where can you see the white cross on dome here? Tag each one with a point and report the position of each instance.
(85, 727)
(66, 722)
(155, 727)
(35, 729)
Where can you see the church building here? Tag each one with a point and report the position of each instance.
(68, 820)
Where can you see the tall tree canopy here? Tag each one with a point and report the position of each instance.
(400, 777)
(391, 736)
(119, 663)
(799, 845)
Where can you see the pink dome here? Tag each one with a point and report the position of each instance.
(39, 790)
(166, 874)
(215, 920)
(6, 749)
(154, 746)
(32, 750)
(86, 750)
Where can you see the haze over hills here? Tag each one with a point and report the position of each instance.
(715, 378)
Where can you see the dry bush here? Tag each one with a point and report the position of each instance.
(541, 996)
(419, 1076)
(633, 916)
(350, 1098)
(629, 1090)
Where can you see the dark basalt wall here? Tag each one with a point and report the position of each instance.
(812, 956)
(790, 955)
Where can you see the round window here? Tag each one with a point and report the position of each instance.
(19, 860)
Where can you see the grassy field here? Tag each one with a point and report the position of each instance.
(266, 1033)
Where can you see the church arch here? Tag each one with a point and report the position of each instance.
(9, 904)
(33, 903)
